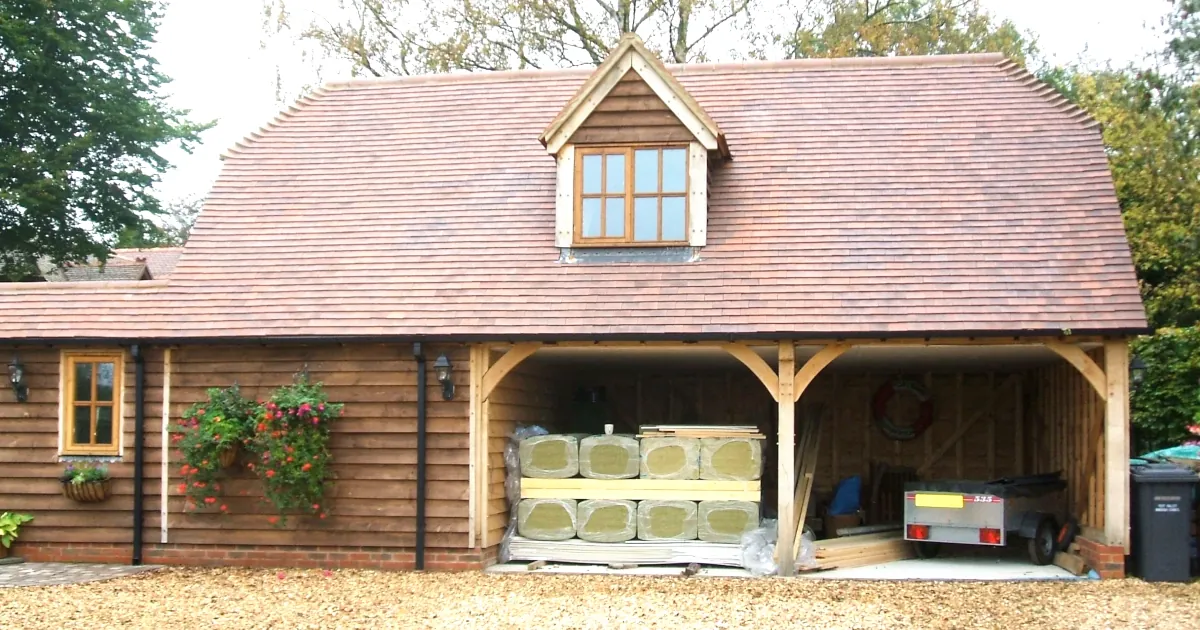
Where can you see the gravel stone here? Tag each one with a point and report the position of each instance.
(251, 598)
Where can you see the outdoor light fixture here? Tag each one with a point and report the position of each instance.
(444, 370)
(1137, 371)
(16, 377)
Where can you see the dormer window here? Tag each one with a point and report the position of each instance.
(631, 195)
(633, 151)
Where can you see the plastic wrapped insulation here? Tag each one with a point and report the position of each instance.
(512, 461)
(607, 520)
(670, 458)
(554, 456)
(725, 521)
(666, 520)
(731, 459)
(547, 519)
(609, 457)
(758, 548)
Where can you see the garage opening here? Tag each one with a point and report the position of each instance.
(889, 416)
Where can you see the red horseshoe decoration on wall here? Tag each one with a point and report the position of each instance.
(886, 425)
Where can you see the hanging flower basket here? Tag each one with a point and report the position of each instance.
(88, 491)
(228, 456)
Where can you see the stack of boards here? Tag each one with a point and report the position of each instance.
(863, 550)
(664, 491)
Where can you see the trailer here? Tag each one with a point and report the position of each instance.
(986, 513)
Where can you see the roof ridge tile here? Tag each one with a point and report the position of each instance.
(1048, 93)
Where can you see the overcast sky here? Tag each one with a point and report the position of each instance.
(211, 48)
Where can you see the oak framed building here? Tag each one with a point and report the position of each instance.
(725, 243)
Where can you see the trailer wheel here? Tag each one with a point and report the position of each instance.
(927, 550)
(1044, 542)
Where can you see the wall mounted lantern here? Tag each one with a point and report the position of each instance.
(444, 372)
(16, 378)
(1137, 372)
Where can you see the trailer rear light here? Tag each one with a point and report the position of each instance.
(989, 536)
(918, 532)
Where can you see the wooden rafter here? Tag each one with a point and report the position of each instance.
(813, 367)
(757, 365)
(511, 359)
(1082, 362)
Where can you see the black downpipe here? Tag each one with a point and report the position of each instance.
(420, 550)
(139, 456)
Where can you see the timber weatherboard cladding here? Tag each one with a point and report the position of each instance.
(947, 194)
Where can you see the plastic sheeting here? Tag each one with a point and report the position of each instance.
(666, 520)
(725, 521)
(607, 520)
(670, 458)
(547, 519)
(609, 457)
(554, 456)
(512, 481)
(758, 549)
(731, 459)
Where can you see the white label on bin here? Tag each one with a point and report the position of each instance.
(1166, 507)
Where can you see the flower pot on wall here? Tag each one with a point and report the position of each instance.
(228, 456)
(88, 491)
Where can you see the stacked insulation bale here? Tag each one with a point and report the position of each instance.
(728, 459)
(554, 456)
(547, 519)
(609, 457)
(670, 458)
(725, 521)
(666, 520)
(607, 520)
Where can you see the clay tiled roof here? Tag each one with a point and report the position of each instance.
(160, 261)
(889, 196)
(122, 265)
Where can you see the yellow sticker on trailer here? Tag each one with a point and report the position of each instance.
(940, 500)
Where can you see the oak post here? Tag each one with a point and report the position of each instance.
(787, 458)
(1116, 443)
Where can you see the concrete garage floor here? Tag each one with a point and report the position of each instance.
(976, 568)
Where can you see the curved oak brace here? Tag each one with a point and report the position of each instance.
(1082, 362)
(757, 364)
(813, 367)
(506, 364)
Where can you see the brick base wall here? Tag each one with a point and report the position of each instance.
(263, 556)
(1107, 560)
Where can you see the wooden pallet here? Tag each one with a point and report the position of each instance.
(642, 552)
(640, 489)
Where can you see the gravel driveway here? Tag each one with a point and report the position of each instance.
(244, 598)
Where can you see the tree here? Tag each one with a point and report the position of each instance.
(80, 120)
(169, 229)
(395, 37)
(878, 28)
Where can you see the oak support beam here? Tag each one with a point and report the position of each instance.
(786, 453)
(1116, 443)
(505, 364)
(476, 445)
(757, 365)
(1082, 362)
(812, 367)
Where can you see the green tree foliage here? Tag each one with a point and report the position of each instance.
(877, 28)
(80, 119)
(171, 228)
(1167, 400)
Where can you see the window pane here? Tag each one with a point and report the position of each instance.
(82, 430)
(674, 177)
(614, 217)
(104, 425)
(83, 381)
(591, 218)
(615, 175)
(674, 220)
(645, 171)
(104, 381)
(591, 173)
(645, 219)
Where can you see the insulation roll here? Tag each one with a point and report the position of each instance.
(607, 520)
(731, 459)
(547, 519)
(609, 457)
(550, 456)
(725, 521)
(666, 520)
(670, 458)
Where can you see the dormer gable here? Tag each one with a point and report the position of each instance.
(633, 151)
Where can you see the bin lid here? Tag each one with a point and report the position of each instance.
(1162, 473)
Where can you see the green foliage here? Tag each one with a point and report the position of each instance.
(10, 524)
(83, 473)
(877, 28)
(1168, 400)
(81, 117)
(291, 445)
(169, 229)
(222, 423)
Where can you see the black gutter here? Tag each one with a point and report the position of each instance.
(139, 459)
(551, 338)
(419, 553)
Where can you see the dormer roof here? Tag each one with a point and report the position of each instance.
(631, 55)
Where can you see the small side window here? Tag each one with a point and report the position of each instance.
(91, 422)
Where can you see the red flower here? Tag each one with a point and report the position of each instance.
(216, 438)
(322, 515)
(250, 465)
(289, 458)
(270, 473)
(203, 463)
(199, 484)
(281, 575)
(261, 427)
(201, 412)
(306, 467)
(182, 488)
(183, 470)
(224, 508)
(210, 500)
(316, 506)
(289, 449)
(273, 520)
(278, 415)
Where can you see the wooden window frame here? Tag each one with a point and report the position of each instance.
(67, 426)
(628, 150)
